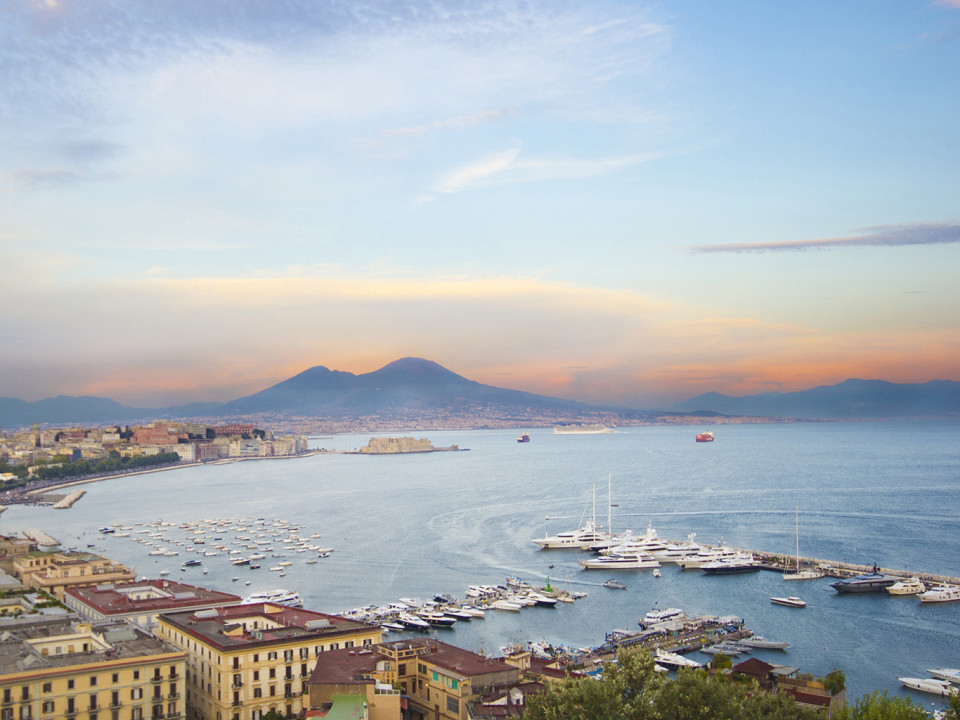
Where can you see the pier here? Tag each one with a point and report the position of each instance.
(68, 500)
(779, 562)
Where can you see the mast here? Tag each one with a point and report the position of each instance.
(609, 508)
(798, 538)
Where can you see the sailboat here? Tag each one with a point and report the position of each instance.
(809, 573)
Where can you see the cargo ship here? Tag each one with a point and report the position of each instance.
(705, 437)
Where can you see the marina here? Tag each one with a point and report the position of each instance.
(450, 520)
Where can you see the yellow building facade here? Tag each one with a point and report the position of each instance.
(54, 572)
(63, 670)
(246, 660)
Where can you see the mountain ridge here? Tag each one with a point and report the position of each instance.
(415, 388)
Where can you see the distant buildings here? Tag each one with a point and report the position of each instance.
(57, 571)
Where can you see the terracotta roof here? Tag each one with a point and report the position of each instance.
(752, 667)
(345, 666)
(284, 624)
(115, 598)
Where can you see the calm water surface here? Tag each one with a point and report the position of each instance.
(416, 525)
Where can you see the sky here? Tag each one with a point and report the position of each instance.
(623, 203)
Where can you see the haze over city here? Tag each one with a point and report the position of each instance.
(612, 202)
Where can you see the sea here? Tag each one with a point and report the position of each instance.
(417, 525)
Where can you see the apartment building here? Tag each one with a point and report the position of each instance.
(141, 602)
(246, 660)
(67, 669)
(57, 571)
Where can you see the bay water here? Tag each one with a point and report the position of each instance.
(419, 524)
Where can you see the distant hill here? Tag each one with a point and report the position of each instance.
(415, 389)
(851, 399)
(406, 387)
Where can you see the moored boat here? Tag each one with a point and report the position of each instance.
(761, 643)
(913, 586)
(935, 686)
(727, 567)
(791, 601)
(614, 584)
(950, 674)
(875, 581)
(941, 593)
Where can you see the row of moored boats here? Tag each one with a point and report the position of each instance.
(943, 682)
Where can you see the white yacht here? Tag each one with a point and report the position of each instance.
(289, 598)
(929, 685)
(941, 593)
(579, 539)
(621, 561)
(673, 660)
(913, 586)
(950, 674)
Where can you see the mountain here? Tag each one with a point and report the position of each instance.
(409, 384)
(409, 387)
(415, 390)
(851, 400)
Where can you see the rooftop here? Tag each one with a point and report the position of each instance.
(22, 648)
(151, 596)
(260, 624)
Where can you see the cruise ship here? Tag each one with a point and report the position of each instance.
(581, 429)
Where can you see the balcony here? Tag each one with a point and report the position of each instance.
(236, 685)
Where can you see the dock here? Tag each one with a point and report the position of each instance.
(778, 562)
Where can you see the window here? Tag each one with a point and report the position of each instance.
(70, 684)
(257, 692)
(273, 673)
(115, 698)
(49, 706)
(271, 656)
(93, 701)
(93, 681)
(136, 674)
(256, 657)
(115, 677)
(47, 687)
(273, 690)
(402, 669)
(136, 693)
(256, 675)
(288, 655)
(453, 705)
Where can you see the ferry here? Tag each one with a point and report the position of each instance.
(705, 437)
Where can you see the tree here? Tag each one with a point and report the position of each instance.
(835, 681)
(631, 690)
(876, 706)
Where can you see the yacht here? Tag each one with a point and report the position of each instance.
(929, 685)
(621, 561)
(289, 598)
(913, 586)
(734, 565)
(941, 593)
(673, 660)
(656, 616)
(614, 584)
(868, 582)
(791, 601)
(708, 555)
(579, 539)
(951, 674)
(761, 643)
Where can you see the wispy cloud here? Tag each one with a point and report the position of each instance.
(508, 167)
(459, 121)
(877, 235)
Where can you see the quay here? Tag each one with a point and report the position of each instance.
(68, 500)
(779, 562)
(40, 537)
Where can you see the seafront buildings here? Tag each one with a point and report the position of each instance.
(55, 572)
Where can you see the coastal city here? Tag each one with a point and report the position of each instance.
(87, 635)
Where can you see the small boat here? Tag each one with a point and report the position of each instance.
(761, 643)
(506, 605)
(791, 601)
(705, 436)
(614, 584)
(240, 561)
(935, 686)
(164, 572)
(913, 586)
(191, 563)
(656, 572)
(524, 438)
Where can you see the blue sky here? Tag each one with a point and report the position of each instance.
(610, 201)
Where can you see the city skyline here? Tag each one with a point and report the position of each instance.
(616, 203)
